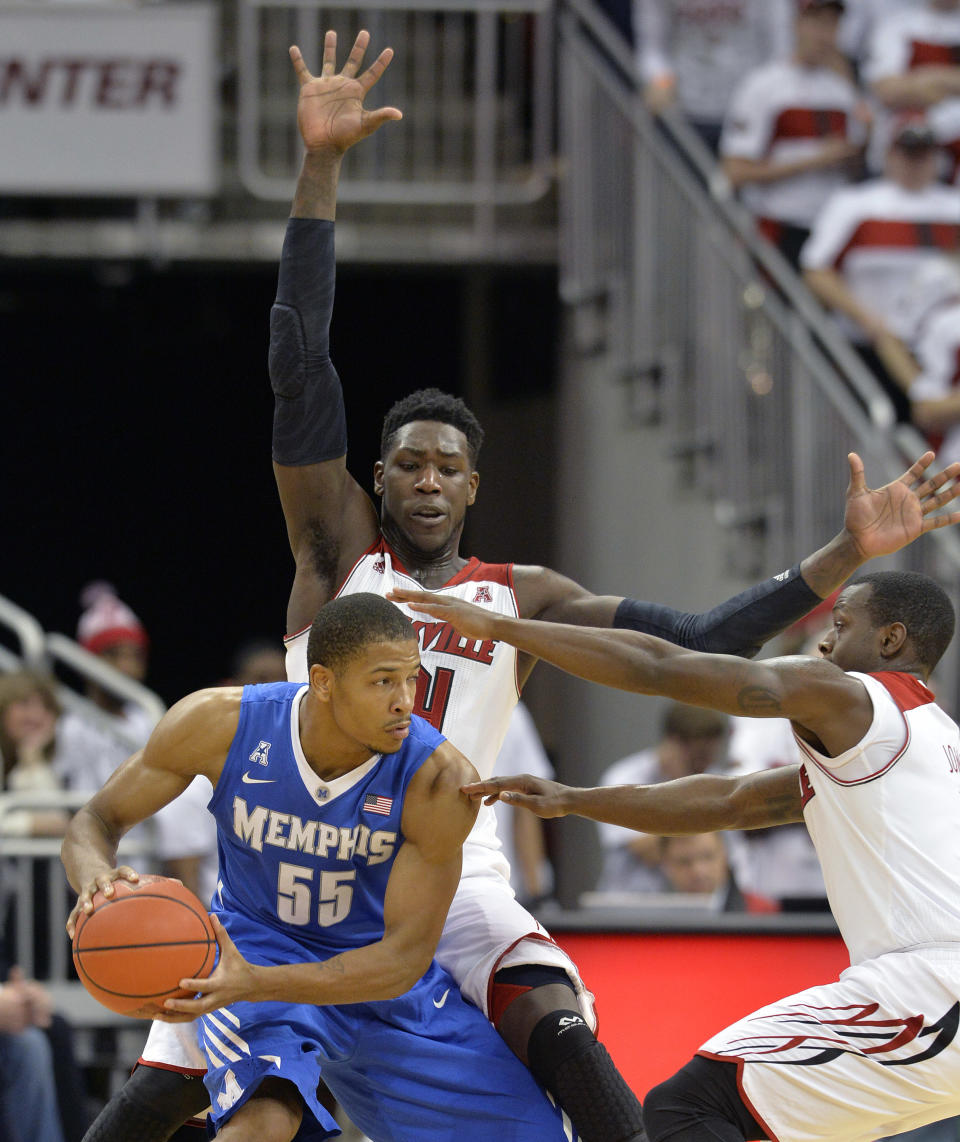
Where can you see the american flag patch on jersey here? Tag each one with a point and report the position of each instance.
(372, 803)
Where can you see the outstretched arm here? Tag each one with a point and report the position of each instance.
(876, 522)
(329, 519)
(703, 803)
(817, 696)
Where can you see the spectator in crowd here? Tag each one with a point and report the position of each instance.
(29, 713)
(780, 863)
(28, 1094)
(525, 848)
(37, 1062)
(934, 385)
(913, 66)
(692, 741)
(692, 53)
(859, 21)
(699, 864)
(259, 660)
(869, 240)
(90, 751)
(794, 131)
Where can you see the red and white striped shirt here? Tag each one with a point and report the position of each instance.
(902, 42)
(783, 112)
(876, 235)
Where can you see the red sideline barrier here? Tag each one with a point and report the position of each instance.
(660, 995)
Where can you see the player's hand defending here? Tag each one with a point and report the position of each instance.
(330, 111)
(102, 883)
(881, 521)
(469, 620)
(231, 980)
(545, 798)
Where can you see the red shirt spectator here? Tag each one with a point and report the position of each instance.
(792, 133)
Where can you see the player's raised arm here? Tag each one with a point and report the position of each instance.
(437, 816)
(329, 518)
(191, 738)
(876, 522)
(703, 803)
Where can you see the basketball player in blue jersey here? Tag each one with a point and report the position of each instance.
(340, 825)
(503, 960)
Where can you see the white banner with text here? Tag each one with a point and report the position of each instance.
(108, 100)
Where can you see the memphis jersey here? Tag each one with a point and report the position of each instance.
(883, 817)
(467, 688)
(304, 862)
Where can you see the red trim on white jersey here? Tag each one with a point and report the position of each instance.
(744, 1097)
(473, 569)
(905, 689)
(898, 686)
(192, 1071)
(807, 791)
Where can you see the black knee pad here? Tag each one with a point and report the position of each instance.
(567, 1060)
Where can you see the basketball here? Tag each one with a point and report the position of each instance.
(133, 949)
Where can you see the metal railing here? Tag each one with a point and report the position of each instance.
(31, 874)
(39, 650)
(473, 77)
(707, 328)
(30, 640)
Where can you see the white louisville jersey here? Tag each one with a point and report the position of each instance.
(883, 817)
(875, 1052)
(877, 236)
(784, 113)
(468, 688)
(937, 350)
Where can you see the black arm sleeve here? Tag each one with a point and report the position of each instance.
(741, 625)
(309, 422)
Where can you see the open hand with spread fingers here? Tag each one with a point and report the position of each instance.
(883, 520)
(330, 111)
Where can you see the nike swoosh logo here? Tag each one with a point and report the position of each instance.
(248, 780)
(442, 1000)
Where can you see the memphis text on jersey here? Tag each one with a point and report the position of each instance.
(263, 826)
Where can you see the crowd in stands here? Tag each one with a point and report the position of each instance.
(837, 123)
(46, 748)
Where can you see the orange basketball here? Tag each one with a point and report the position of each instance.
(133, 949)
